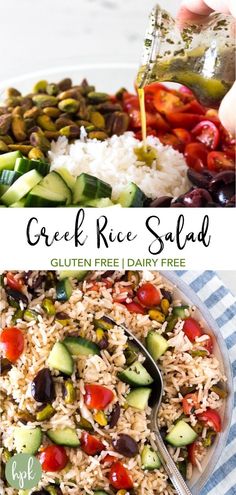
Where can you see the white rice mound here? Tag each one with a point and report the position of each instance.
(115, 162)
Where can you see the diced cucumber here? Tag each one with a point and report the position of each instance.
(8, 177)
(78, 274)
(89, 187)
(21, 187)
(138, 398)
(54, 182)
(150, 459)
(64, 289)
(156, 344)
(67, 177)
(3, 189)
(99, 203)
(8, 160)
(79, 346)
(60, 359)
(27, 440)
(131, 197)
(181, 434)
(180, 311)
(24, 165)
(40, 197)
(66, 436)
(135, 375)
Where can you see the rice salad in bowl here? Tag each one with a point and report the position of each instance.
(76, 394)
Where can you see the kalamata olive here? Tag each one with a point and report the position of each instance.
(125, 445)
(62, 316)
(221, 179)
(224, 193)
(5, 366)
(114, 416)
(177, 205)
(162, 202)
(197, 198)
(17, 296)
(42, 387)
(166, 295)
(200, 179)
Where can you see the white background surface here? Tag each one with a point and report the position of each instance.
(41, 34)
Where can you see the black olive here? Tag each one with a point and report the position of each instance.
(221, 179)
(5, 366)
(162, 202)
(42, 387)
(125, 445)
(224, 194)
(197, 198)
(166, 295)
(177, 205)
(15, 295)
(114, 416)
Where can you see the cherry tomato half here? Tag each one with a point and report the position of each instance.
(166, 102)
(208, 344)
(196, 156)
(207, 133)
(53, 458)
(134, 307)
(217, 160)
(90, 444)
(185, 120)
(12, 343)
(190, 403)
(119, 477)
(192, 329)
(149, 295)
(170, 140)
(97, 396)
(13, 282)
(192, 452)
(108, 459)
(183, 135)
(211, 418)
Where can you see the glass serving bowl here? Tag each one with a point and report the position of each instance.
(186, 294)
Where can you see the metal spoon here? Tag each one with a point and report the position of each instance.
(166, 459)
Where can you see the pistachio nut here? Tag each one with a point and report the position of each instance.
(12, 92)
(165, 306)
(117, 123)
(36, 154)
(46, 123)
(63, 122)
(52, 112)
(69, 105)
(40, 86)
(24, 148)
(6, 139)
(52, 134)
(156, 315)
(13, 101)
(65, 84)
(3, 147)
(26, 103)
(40, 141)
(5, 124)
(97, 120)
(52, 89)
(108, 107)
(70, 131)
(17, 111)
(32, 113)
(99, 135)
(70, 93)
(18, 128)
(42, 100)
(96, 97)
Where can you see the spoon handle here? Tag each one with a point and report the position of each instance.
(170, 467)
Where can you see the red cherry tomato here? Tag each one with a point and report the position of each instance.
(53, 458)
(149, 295)
(211, 418)
(123, 293)
(207, 133)
(119, 477)
(192, 452)
(134, 307)
(208, 344)
(190, 403)
(183, 135)
(12, 343)
(13, 282)
(90, 444)
(108, 459)
(193, 106)
(192, 329)
(196, 156)
(217, 160)
(229, 149)
(97, 396)
(170, 140)
(185, 120)
(166, 102)
(150, 132)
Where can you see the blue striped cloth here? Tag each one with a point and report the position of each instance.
(222, 305)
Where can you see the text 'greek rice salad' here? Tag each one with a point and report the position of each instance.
(76, 394)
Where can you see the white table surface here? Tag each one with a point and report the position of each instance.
(42, 34)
